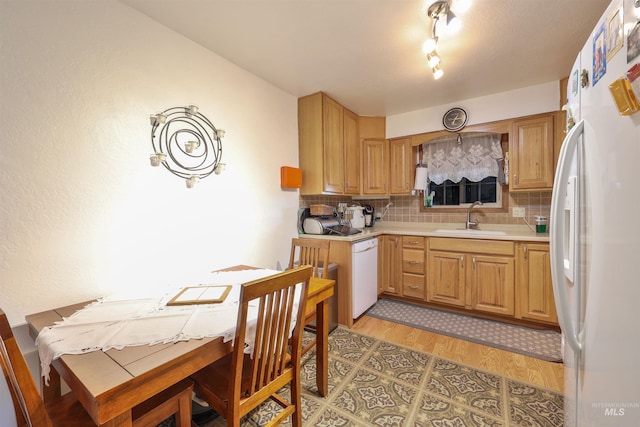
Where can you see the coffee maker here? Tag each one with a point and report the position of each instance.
(369, 216)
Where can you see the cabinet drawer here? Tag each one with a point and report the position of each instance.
(413, 261)
(413, 242)
(413, 286)
(497, 247)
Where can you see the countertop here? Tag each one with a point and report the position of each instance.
(486, 232)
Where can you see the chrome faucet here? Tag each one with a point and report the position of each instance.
(472, 224)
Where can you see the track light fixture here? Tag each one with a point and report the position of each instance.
(435, 11)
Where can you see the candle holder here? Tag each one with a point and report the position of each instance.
(186, 143)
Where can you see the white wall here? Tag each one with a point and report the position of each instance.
(505, 105)
(82, 213)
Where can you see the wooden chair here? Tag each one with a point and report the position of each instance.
(67, 411)
(239, 382)
(314, 252)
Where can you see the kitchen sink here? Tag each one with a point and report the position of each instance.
(471, 232)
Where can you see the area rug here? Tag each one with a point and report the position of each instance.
(376, 383)
(540, 343)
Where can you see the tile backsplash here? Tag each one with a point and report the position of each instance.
(407, 208)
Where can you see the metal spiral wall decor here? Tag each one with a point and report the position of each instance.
(186, 143)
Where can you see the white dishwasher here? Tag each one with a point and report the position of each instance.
(364, 279)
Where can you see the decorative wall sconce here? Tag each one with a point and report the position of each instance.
(186, 143)
(435, 11)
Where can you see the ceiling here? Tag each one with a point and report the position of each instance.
(367, 54)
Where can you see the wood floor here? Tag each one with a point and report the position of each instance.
(524, 368)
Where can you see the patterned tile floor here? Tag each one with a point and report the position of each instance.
(376, 383)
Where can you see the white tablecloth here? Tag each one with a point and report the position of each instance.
(119, 321)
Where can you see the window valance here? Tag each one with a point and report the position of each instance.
(471, 156)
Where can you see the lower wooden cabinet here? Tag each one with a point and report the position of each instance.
(390, 259)
(474, 274)
(535, 290)
(403, 266)
(505, 279)
(492, 284)
(413, 267)
(447, 278)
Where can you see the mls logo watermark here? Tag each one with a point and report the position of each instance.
(613, 412)
(616, 409)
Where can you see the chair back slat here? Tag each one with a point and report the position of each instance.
(27, 401)
(277, 310)
(313, 252)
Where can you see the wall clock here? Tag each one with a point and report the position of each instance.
(454, 119)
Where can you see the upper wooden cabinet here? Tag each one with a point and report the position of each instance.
(375, 161)
(400, 166)
(352, 163)
(531, 153)
(329, 146)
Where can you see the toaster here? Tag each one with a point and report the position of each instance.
(318, 225)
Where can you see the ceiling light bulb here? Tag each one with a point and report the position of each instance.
(429, 45)
(192, 110)
(220, 133)
(433, 59)
(437, 72)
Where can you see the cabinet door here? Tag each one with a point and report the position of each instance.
(400, 166)
(492, 284)
(375, 160)
(392, 265)
(446, 283)
(534, 283)
(351, 153)
(311, 143)
(531, 154)
(334, 156)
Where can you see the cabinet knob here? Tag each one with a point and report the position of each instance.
(414, 262)
(414, 287)
(524, 249)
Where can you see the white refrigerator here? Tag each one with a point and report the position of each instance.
(595, 231)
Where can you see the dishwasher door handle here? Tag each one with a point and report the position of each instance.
(370, 248)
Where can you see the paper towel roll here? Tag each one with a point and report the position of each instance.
(421, 178)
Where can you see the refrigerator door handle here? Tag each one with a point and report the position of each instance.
(557, 228)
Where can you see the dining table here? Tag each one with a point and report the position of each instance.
(110, 383)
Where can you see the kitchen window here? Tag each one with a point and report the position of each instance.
(450, 193)
(465, 167)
